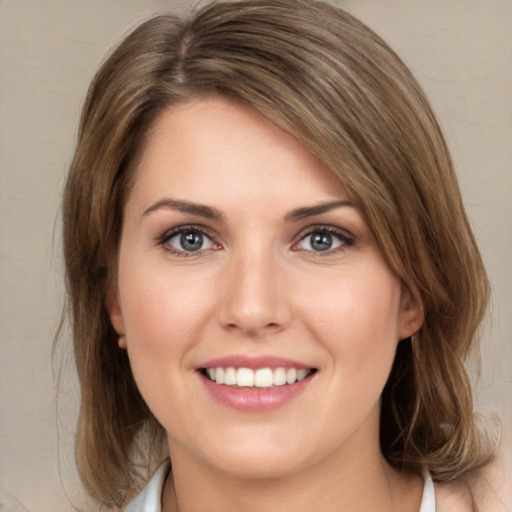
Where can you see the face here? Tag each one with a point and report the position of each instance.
(259, 315)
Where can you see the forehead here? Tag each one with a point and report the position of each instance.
(213, 147)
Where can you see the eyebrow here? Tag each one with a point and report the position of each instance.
(208, 212)
(200, 210)
(311, 211)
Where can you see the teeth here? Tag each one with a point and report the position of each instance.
(230, 377)
(219, 375)
(291, 375)
(244, 377)
(301, 374)
(260, 378)
(263, 378)
(279, 377)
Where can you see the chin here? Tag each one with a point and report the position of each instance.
(258, 466)
(255, 457)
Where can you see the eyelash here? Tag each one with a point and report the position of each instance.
(164, 239)
(346, 240)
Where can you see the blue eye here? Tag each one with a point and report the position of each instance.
(186, 240)
(191, 241)
(323, 240)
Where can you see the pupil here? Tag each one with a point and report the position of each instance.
(191, 241)
(321, 242)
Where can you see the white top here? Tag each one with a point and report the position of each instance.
(428, 502)
(150, 498)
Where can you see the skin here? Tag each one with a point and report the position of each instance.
(486, 489)
(258, 287)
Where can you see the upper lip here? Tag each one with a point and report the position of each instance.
(253, 362)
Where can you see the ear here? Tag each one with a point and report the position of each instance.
(116, 317)
(411, 316)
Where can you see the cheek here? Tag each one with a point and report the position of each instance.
(356, 316)
(161, 323)
(161, 313)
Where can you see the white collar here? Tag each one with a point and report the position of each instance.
(428, 502)
(150, 498)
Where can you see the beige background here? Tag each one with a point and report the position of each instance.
(460, 50)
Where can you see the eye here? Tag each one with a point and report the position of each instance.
(186, 240)
(324, 239)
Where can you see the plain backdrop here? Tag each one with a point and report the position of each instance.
(461, 52)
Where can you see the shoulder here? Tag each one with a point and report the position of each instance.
(488, 489)
(453, 497)
(492, 484)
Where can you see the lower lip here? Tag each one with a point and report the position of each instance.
(255, 399)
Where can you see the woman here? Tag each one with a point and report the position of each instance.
(270, 272)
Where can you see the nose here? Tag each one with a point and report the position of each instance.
(254, 298)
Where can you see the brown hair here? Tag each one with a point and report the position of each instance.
(328, 80)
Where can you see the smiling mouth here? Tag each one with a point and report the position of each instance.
(259, 378)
